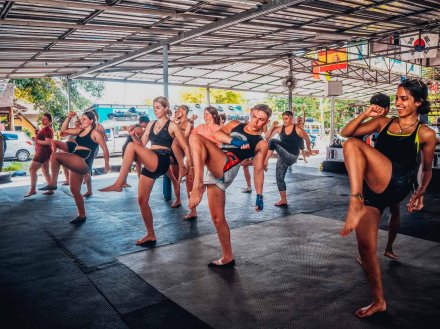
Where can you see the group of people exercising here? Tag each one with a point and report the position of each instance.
(210, 156)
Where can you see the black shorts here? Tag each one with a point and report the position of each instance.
(71, 146)
(401, 182)
(87, 156)
(163, 163)
(173, 157)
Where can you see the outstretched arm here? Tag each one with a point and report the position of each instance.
(428, 140)
(99, 138)
(302, 133)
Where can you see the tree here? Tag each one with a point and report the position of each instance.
(218, 96)
(50, 94)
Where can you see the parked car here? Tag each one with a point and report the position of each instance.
(19, 146)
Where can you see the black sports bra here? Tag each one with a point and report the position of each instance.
(162, 138)
(86, 141)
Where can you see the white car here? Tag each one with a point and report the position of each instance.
(18, 146)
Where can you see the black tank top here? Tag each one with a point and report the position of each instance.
(239, 133)
(86, 141)
(400, 149)
(293, 141)
(163, 137)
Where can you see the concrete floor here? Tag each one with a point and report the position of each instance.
(293, 269)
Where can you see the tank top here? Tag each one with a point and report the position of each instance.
(162, 138)
(400, 149)
(45, 132)
(239, 133)
(292, 141)
(86, 141)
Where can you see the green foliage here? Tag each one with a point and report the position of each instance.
(218, 96)
(14, 166)
(27, 132)
(344, 109)
(50, 95)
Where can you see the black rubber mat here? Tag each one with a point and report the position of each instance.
(166, 315)
(295, 272)
(126, 291)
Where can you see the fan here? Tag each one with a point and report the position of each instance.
(289, 82)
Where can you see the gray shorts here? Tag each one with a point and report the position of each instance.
(224, 182)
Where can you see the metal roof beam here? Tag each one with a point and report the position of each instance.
(91, 6)
(6, 8)
(265, 9)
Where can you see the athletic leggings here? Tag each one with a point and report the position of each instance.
(285, 159)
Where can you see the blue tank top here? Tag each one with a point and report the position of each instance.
(239, 133)
(293, 141)
(162, 138)
(86, 141)
(400, 149)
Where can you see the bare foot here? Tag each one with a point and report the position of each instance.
(182, 173)
(111, 188)
(196, 196)
(146, 239)
(50, 192)
(356, 210)
(390, 254)
(191, 215)
(125, 185)
(371, 309)
(87, 194)
(281, 203)
(176, 204)
(30, 193)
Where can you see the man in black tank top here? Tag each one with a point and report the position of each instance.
(240, 142)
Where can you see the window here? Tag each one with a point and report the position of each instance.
(10, 137)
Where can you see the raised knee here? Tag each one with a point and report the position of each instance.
(351, 144)
(194, 139)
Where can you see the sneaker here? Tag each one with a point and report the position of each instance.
(246, 190)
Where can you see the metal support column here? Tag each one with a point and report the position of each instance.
(69, 104)
(332, 120)
(208, 96)
(166, 181)
(290, 89)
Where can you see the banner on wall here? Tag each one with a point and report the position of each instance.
(336, 59)
(419, 45)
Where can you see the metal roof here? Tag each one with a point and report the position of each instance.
(234, 44)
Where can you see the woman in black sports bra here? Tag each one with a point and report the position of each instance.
(78, 162)
(156, 161)
(387, 171)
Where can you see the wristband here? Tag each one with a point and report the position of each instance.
(238, 142)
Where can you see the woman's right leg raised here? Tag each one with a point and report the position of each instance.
(133, 151)
(363, 162)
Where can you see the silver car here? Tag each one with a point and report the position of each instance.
(18, 146)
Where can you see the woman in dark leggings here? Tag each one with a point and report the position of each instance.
(156, 161)
(287, 147)
(383, 176)
(78, 162)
